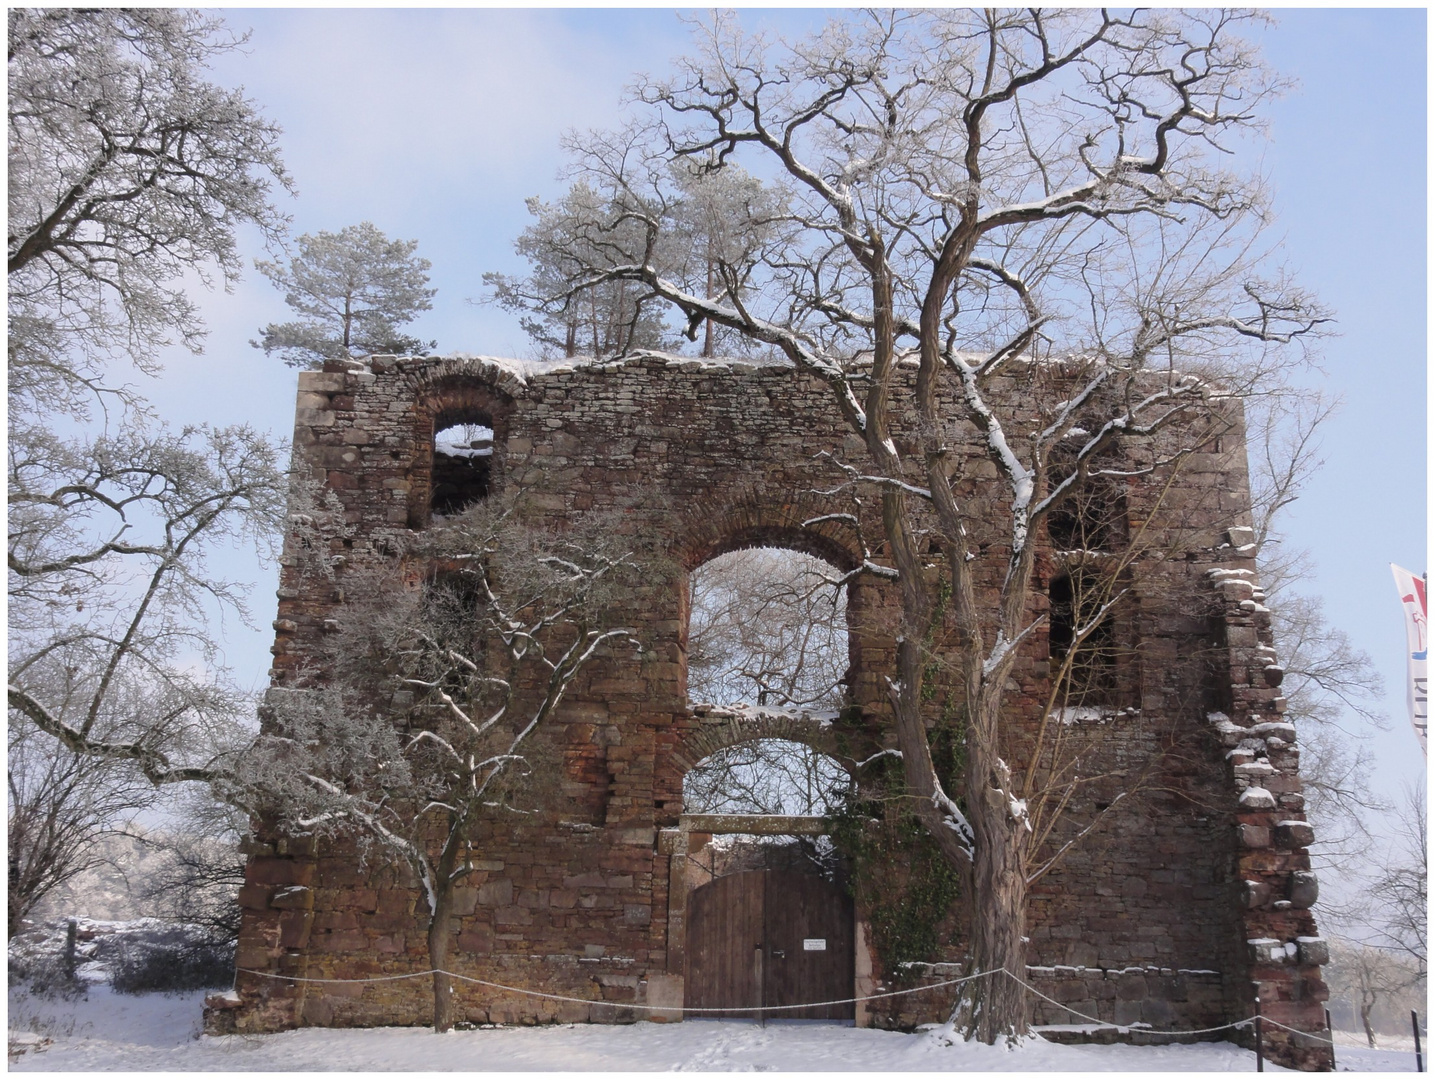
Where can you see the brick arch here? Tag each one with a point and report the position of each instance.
(472, 393)
(714, 729)
(756, 522)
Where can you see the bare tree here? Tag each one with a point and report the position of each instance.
(200, 869)
(1401, 889)
(60, 806)
(603, 320)
(111, 652)
(354, 289)
(1327, 680)
(721, 222)
(1381, 985)
(1029, 207)
(429, 722)
(127, 171)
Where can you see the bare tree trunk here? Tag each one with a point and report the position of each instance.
(995, 1006)
(440, 938)
(1367, 1005)
(708, 323)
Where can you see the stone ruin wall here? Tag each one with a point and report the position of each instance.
(1177, 916)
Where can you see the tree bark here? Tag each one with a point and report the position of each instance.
(995, 1006)
(440, 940)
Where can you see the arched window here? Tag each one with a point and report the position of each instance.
(767, 626)
(460, 439)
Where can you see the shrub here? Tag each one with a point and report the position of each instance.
(45, 961)
(47, 975)
(171, 961)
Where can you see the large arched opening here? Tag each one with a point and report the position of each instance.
(772, 646)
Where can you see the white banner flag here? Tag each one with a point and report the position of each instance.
(1412, 598)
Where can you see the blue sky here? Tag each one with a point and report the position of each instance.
(436, 124)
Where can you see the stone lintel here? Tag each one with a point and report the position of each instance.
(756, 824)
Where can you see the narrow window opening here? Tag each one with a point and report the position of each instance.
(1082, 641)
(450, 616)
(462, 467)
(1092, 518)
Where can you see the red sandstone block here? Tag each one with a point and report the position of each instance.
(337, 920)
(1313, 988)
(254, 957)
(344, 990)
(493, 894)
(387, 924)
(340, 941)
(395, 901)
(585, 881)
(293, 897)
(1306, 1015)
(361, 899)
(512, 916)
(294, 929)
(275, 870)
(477, 940)
(255, 897)
(318, 1012)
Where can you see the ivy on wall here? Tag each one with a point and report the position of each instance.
(897, 875)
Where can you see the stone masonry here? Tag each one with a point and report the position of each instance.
(1188, 912)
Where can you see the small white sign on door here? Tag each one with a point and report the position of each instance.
(814, 944)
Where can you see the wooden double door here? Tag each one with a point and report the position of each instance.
(769, 938)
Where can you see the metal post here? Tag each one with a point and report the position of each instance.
(1260, 1047)
(761, 989)
(1330, 1034)
(1415, 1027)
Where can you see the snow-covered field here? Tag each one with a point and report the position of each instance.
(157, 1032)
(103, 1030)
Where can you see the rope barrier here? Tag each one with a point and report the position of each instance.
(619, 1004)
(787, 1008)
(1130, 1027)
(1328, 1040)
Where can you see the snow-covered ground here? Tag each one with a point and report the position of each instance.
(103, 1030)
(157, 1032)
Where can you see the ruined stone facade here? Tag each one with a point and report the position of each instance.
(1178, 914)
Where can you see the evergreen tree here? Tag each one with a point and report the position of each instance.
(353, 290)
